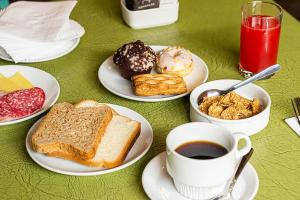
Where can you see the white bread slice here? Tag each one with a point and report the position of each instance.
(92, 103)
(116, 142)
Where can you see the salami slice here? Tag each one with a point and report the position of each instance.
(21, 103)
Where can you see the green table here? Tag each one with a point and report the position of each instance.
(209, 29)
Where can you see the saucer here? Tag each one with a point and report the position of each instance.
(158, 184)
(111, 79)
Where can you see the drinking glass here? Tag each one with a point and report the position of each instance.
(260, 32)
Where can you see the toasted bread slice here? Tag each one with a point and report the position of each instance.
(73, 130)
(118, 139)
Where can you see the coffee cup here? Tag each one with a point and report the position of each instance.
(203, 178)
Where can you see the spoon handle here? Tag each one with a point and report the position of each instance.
(270, 70)
(228, 194)
(242, 164)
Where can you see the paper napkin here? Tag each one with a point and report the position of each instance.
(32, 29)
(40, 21)
(20, 50)
(293, 123)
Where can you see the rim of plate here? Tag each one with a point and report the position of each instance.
(149, 99)
(75, 44)
(249, 166)
(105, 171)
(253, 171)
(44, 109)
(146, 169)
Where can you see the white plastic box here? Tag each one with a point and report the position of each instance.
(166, 13)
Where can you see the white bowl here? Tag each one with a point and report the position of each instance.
(166, 13)
(249, 126)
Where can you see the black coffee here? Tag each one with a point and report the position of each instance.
(201, 150)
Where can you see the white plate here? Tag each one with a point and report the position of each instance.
(138, 150)
(38, 78)
(46, 55)
(158, 184)
(111, 79)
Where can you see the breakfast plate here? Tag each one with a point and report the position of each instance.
(39, 79)
(58, 50)
(159, 185)
(111, 79)
(138, 150)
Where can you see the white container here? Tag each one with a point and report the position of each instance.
(249, 125)
(166, 13)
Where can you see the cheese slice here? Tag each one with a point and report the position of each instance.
(20, 81)
(6, 85)
(16, 82)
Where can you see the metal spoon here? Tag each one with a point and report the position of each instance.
(215, 92)
(240, 168)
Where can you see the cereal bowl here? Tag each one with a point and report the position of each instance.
(249, 126)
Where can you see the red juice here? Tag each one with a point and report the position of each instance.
(259, 42)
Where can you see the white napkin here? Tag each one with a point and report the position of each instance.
(40, 21)
(23, 50)
(293, 123)
(30, 30)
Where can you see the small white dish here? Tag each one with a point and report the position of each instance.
(159, 185)
(58, 165)
(38, 78)
(45, 55)
(166, 13)
(249, 126)
(112, 80)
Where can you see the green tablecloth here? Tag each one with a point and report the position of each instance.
(209, 29)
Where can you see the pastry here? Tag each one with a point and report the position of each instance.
(175, 60)
(158, 84)
(135, 58)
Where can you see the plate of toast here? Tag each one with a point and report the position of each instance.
(88, 138)
(152, 73)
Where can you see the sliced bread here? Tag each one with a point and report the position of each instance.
(116, 142)
(74, 130)
(92, 103)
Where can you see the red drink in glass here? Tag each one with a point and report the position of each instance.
(259, 37)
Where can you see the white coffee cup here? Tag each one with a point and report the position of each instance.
(203, 179)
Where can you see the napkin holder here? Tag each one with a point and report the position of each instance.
(166, 13)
